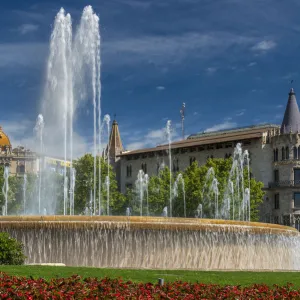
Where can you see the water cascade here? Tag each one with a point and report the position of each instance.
(168, 132)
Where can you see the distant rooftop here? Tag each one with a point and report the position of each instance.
(229, 135)
(231, 130)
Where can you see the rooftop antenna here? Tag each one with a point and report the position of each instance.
(182, 110)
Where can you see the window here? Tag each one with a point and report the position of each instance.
(295, 150)
(276, 201)
(219, 146)
(282, 153)
(296, 176)
(144, 167)
(299, 152)
(175, 165)
(129, 171)
(192, 159)
(276, 154)
(276, 175)
(287, 153)
(297, 199)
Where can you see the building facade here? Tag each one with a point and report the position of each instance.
(274, 159)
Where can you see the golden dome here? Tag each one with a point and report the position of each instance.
(4, 139)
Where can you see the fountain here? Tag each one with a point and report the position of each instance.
(24, 192)
(180, 180)
(141, 185)
(5, 189)
(130, 241)
(155, 242)
(168, 132)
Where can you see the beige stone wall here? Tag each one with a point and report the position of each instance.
(260, 155)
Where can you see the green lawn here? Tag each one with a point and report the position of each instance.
(222, 278)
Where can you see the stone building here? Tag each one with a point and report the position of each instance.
(274, 159)
(19, 160)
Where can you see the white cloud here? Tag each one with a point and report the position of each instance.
(221, 126)
(153, 138)
(264, 45)
(160, 88)
(279, 106)
(27, 28)
(211, 70)
(252, 64)
(195, 113)
(278, 116)
(20, 132)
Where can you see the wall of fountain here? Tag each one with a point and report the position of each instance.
(162, 243)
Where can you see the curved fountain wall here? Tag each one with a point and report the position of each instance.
(163, 243)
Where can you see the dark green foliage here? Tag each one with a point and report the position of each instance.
(11, 251)
(85, 184)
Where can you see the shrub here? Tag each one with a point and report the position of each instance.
(11, 251)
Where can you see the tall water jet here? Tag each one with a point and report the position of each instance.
(5, 189)
(106, 121)
(87, 55)
(66, 180)
(146, 185)
(72, 189)
(24, 192)
(107, 183)
(73, 73)
(140, 188)
(168, 131)
(180, 180)
(199, 211)
(39, 130)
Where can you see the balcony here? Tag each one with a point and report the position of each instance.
(284, 184)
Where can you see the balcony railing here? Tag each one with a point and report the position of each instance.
(284, 183)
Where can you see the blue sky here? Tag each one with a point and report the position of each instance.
(230, 61)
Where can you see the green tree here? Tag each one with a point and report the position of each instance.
(196, 191)
(195, 178)
(84, 167)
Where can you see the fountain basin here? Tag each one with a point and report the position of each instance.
(155, 242)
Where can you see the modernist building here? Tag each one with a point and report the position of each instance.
(274, 155)
(21, 160)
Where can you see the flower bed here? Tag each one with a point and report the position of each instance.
(12, 287)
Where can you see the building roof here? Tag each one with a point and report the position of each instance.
(291, 119)
(115, 145)
(245, 133)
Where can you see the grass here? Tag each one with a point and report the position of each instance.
(217, 277)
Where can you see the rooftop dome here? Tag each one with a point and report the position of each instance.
(4, 139)
(291, 119)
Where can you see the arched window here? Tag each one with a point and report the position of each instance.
(299, 152)
(287, 152)
(295, 152)
(276, 154)
(282, 153)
